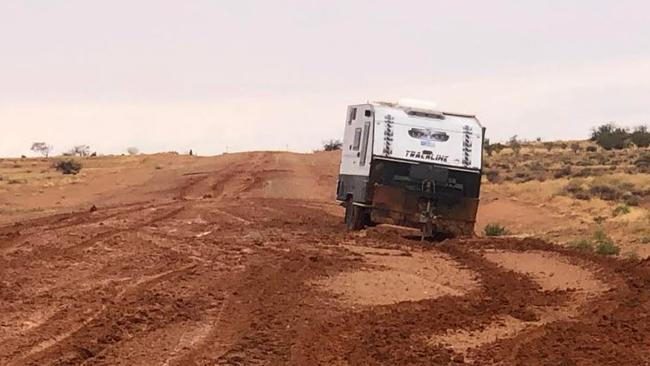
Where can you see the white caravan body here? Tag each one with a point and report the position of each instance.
(447, 147)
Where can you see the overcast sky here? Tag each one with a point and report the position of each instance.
(265, 75)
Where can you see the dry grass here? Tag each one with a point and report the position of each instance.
(537, 177)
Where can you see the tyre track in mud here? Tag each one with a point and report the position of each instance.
(394, 334)
(76, 345)
(52, 348)
(14, 233)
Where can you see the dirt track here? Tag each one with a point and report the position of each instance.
(245, 260)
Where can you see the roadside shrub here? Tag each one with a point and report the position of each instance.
(605, 191)
(536, 166)
(575, 186)
(621, 210)
(68, 166)
(565, 171)
(514, 144)
(611, 137)
(575, 147)
(495, 229)
(643, 163)
(332, 145)
(523, 177)
(632, 200)
(599, 242)
(604, 244)
(640, 136)
(496, 147)
(582, 245)
(591, 148)
(492, 175)
(607, 249)
(584, 172)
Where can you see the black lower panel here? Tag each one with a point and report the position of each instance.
(355, 185)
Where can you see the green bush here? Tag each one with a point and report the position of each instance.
(607, 249)
(492, 175)
(632, 200)
(514, 144)
(605, 191)
(640, 136)
(621, 210)
(332, 145)
(609, 137)
(582, 245)
(643, 163)
(599, 242)
(604, 244)
(576, 188)
(495, 229)
(68, 166)
(565, 171)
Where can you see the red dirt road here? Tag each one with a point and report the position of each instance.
(244, 260)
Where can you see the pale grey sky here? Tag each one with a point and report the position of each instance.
(251, 75)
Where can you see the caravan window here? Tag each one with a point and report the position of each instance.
(352, 116)
(364, 144)
(357, 139)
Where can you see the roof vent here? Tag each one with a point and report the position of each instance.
(421, 108)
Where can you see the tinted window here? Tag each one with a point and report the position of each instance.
(357, 139)
(353, 115)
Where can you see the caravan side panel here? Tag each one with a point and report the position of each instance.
(356, 153)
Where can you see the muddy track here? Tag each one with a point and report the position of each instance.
(225, 275)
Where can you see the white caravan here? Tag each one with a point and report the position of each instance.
(409, 164)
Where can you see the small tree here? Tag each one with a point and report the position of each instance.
(42, 148)
(133, 151)
(332, 145)
(609, 137)
(81, 150)
(514, 144)
(640, 136)
(68, 166)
